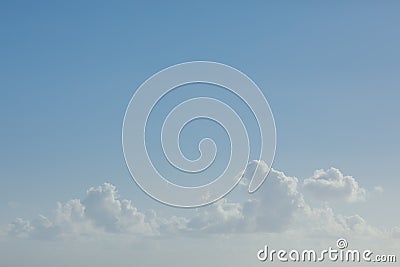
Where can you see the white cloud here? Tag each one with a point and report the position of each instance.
(104, 208)
(324, 222)
(278, 206)
(274, 205)
(100, 211)
(20, 228)
(331, 184)
(221, 217)
(271, 209)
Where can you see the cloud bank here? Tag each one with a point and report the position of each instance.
(278, 206)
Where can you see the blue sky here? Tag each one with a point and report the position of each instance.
(68, 70)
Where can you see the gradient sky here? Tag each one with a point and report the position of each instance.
(329, 69)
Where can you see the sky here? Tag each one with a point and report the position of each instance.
(329, 70)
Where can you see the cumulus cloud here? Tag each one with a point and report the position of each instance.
(331, 184)
(104, 208)
(278, 206)
(274, 206)
(101, 210)
(20, 228)
(324, 222)
(222, 216)
(271, 209)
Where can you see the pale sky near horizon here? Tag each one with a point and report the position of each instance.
(329, 69)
